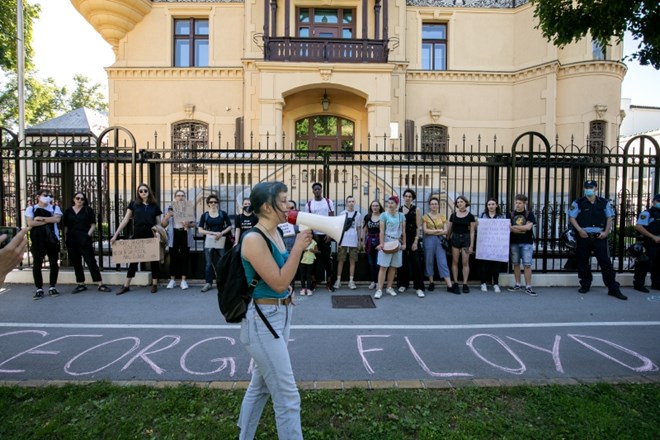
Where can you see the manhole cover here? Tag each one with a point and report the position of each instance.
(353, 302)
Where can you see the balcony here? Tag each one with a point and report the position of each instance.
(325, 50)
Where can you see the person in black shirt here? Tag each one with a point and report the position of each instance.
(213, 225)
(411, 268)
(245, 221)
(371, 239)
(145, 212)
(79, 223)
(461, 231)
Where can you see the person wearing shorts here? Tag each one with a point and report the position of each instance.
(392, 229)
(522, 244)
(349, 244)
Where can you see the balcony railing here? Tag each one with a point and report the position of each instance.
(325, 50)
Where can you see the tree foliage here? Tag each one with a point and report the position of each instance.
(565, 21)
(8, 33)
(44, 100)
(87, 95)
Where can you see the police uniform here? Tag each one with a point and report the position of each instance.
(592, 217)
(650, 221)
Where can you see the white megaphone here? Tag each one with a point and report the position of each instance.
(332, 226)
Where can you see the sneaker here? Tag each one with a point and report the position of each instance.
(38, 294)
(171, 284)
(378, 294)
(206, 287)
(337, 284)
(392, 291)
(466, 288)
(372, 286)
(420, 293)
(53, 292)
(79, 288)
(641, 288)
(104, 288)
(617, 294)
(454, 289)
(330, 286)
(484, 288)
(515, 288)
(583, 289)
(184, 285)
(402, 289)
(496, 289)
(310, 292)
(303, 292)
(431, 287)
(351, 285)
(529, 291)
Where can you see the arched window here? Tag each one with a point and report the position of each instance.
(325, 132)
(188, 137)
(435, 139)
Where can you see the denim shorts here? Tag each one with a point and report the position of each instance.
(523, 251)
(460, 240)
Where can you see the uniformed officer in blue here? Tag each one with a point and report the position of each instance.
(592, 217)
(648, 225)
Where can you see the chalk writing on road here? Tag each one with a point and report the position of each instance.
(80, 355)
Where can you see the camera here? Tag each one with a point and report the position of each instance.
(10, 232)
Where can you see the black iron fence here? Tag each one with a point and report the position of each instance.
(109, 168)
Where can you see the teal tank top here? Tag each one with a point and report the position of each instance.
(263, 290)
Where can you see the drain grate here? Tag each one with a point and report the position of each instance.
(352, 302)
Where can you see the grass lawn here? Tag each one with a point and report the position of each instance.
(105, 411)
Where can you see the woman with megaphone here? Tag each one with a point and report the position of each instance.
(392, 243)
(272, 375)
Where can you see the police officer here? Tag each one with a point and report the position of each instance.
(648, 225)
(591, 216)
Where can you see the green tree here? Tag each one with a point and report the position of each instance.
(44, 100)
(86, 95)
(8, 33)
(565, 21)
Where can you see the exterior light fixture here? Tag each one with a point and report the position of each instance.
(325, 102)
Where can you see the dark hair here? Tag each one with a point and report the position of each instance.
(315, 184)
(73, 201)
(180, 191)
(434, 198)
(467, 202)
(350, 197)
(295, 206)
(412, 193)
(498, 211)
(151, 198)
(212, 197)
(41, 191)
(380, 206)
(521, 197)
(266, 192)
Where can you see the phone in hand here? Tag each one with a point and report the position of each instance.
(10, 232)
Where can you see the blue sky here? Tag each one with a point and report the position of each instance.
(65, 44)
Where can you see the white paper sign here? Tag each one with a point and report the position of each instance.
(211, 243)
(493, 239)
(184, 212)
(287, 229)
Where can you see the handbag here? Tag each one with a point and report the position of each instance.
(391, 247)
(445, 244)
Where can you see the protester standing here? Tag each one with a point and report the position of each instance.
(490, 270)
(522, 244)
(461, 230)
(272, 375)
(410, 270)
(349, 244)
(435, 226)
(371, 237)
(43, 218)
(244, 221)
(145, 212)
(179, 241)
(79, 224)
(320, 205)
(648, 225)
(392, 230)
(214, 224)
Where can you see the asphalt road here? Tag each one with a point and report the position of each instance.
(179, 335)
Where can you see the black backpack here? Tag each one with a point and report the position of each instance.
(234, 292)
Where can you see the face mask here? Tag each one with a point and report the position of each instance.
(45, 199)
(589, 192)
(657, 205)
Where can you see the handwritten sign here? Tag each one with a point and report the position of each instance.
(493, 239)
(184, 211)
(287, 229)
(136, 251)
(211, 243)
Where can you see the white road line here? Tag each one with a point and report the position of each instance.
(336, 327)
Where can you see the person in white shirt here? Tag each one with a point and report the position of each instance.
(323, 265)
(349, 244)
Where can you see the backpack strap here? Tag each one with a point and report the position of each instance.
(255, 281)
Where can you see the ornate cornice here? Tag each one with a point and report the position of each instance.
(491, 4)
(562, 71)
(113, 19)
(175, 73)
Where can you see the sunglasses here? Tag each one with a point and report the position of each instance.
(79, 198)
(213, 202)
(179, 195)
(143, 191)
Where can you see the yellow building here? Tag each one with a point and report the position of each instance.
(416, 69)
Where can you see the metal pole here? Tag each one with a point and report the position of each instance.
(20, 65)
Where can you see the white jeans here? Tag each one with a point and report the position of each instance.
(272, 375)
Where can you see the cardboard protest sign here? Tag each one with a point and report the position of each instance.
(493, 239)
(184, 212)
(211, 243)
(136, 251)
